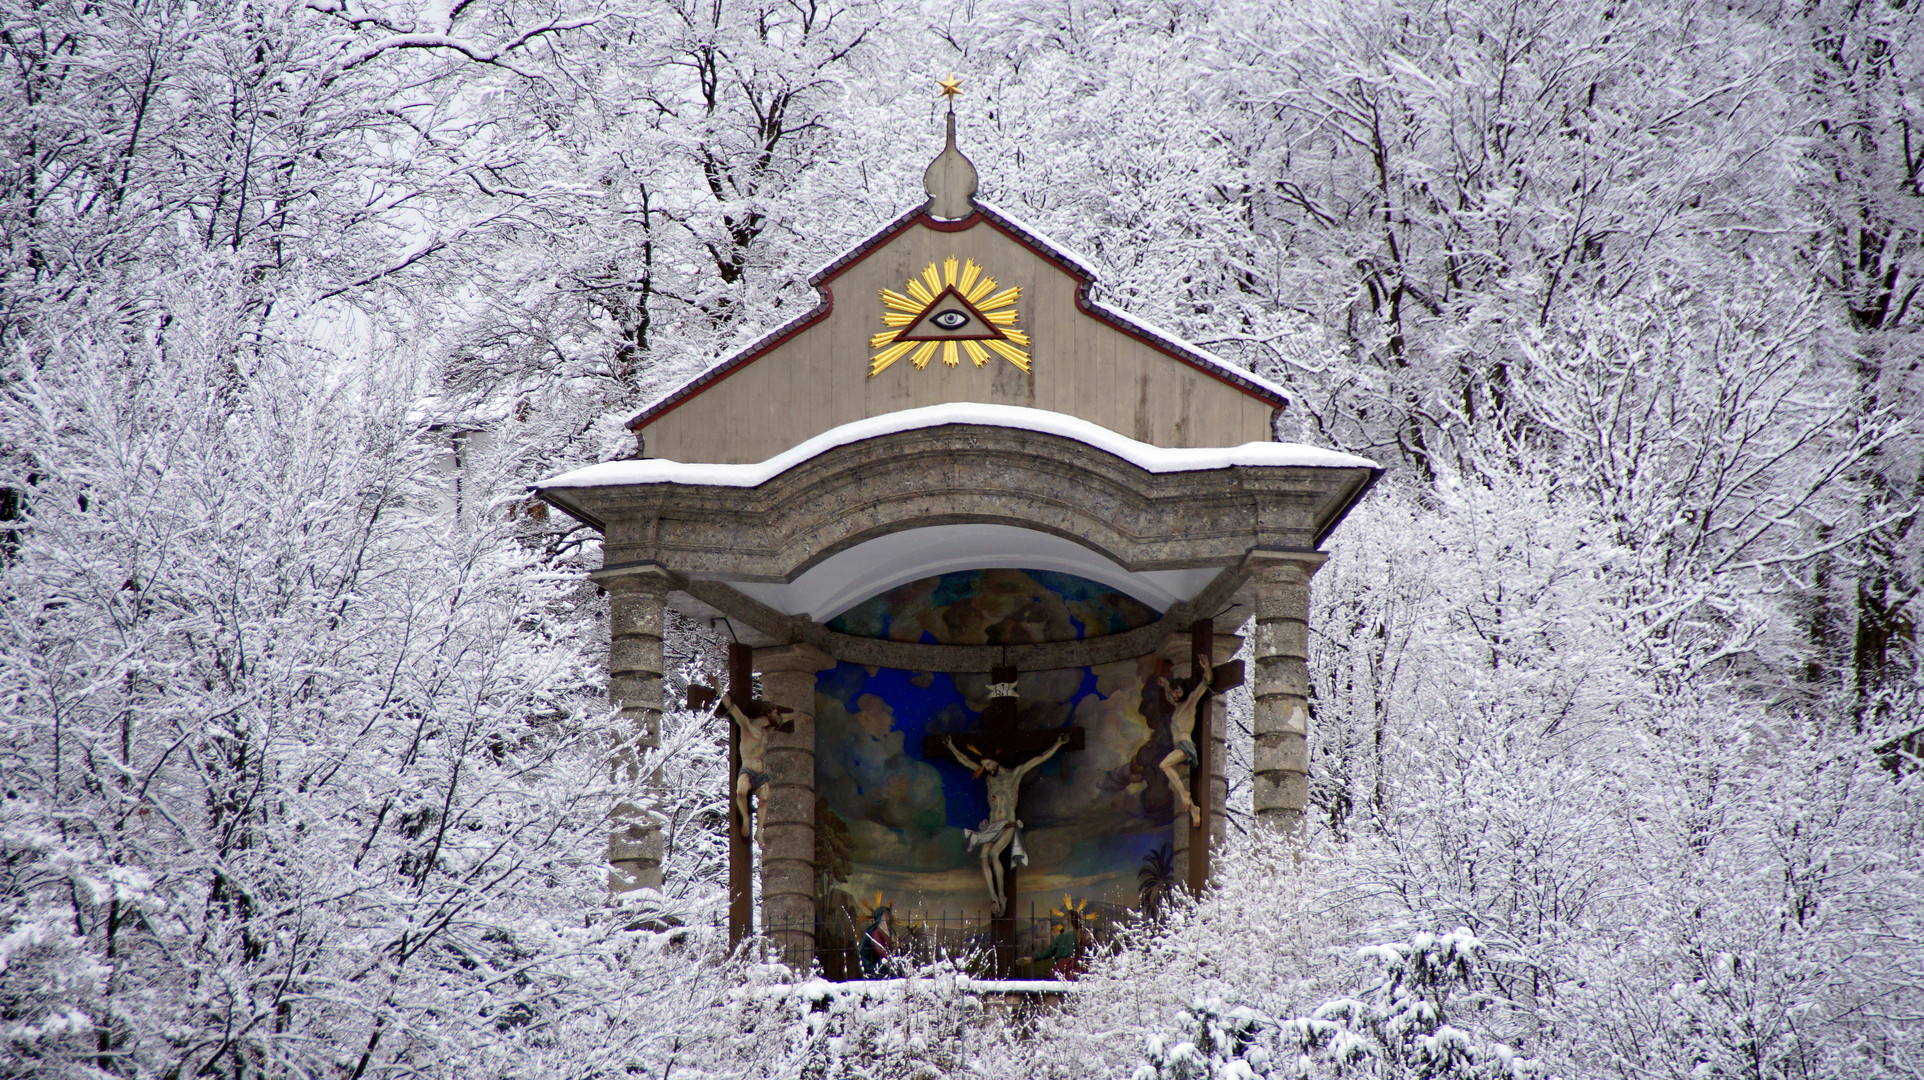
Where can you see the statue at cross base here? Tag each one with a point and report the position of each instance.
(875, 952)
(1069, 951)
(1001, 830)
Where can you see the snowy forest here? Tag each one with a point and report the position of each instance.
(1617, 700)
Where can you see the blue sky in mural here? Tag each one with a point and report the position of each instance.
(1091, 815)
(916, 710)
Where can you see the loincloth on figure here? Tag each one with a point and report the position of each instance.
(991, 831)
(1188, 749)
(756, 780)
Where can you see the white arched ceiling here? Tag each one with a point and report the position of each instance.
(849, 577)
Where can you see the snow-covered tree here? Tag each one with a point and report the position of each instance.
(304, 757)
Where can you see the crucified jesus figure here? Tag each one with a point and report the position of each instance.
(1001, 830)
(1182, 726)
(752, 779)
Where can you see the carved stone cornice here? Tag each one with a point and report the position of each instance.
(961, 474)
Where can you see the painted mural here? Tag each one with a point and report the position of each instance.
(995, 607)
(891, 818)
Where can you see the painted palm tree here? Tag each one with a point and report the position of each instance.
(1156, 881)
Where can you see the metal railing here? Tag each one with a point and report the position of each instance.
(981, 947)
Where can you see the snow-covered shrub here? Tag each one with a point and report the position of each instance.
(1399, 1029)
(923, 1026)
(1402, 1027)
(1215, 1045)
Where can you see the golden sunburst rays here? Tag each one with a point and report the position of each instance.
(951, 311)
(870, 909)
(1078, 908)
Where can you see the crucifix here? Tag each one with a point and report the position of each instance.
(751, 719)
(1003, 755)
(1193, 696)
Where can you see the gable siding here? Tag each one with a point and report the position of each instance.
(818, 379)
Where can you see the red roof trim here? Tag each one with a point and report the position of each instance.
(1224, 375)
(721, 371)
(860, 251)
(821, 279)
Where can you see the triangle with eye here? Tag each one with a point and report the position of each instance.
(950, 318)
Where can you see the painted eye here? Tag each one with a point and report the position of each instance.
(950, 320)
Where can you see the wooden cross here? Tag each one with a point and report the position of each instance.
(1010, 746)
(998, 737)
(741, 861)
(1222, 678)
(741, 690)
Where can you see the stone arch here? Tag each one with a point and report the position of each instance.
(864, 490)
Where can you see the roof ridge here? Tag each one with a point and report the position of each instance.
(1067, 259)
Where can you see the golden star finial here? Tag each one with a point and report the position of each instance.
(951, 86)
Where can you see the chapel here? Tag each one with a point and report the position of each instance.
(985, 545)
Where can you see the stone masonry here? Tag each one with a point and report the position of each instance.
(788, 829)
(1280, 581)
(636, 600)
(674, 542)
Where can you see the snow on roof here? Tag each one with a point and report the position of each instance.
(1162, 338)
(1075, 259)
(861, 247)
(1060, 250)
(1196, 352)
(1155, 459)
(1069, 257)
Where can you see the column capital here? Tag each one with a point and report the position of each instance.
(649, 576)
(782, 658)
(1283, 561)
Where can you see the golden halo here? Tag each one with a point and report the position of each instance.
(1072, 907)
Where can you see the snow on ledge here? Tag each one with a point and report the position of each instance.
(1154, 459)
(940, 983)
(1015, 986)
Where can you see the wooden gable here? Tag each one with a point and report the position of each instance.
(1085, 361)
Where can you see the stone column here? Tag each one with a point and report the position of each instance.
(788, 827)
(636, 599)
(1280, 685)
